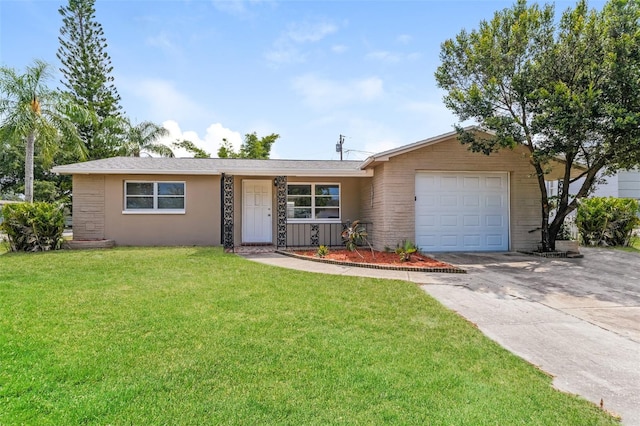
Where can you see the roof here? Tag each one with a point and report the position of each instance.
(386, 155)
(215, 166)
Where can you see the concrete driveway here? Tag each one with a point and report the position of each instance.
(577, 319)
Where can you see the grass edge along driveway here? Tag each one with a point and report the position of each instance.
(197, 336)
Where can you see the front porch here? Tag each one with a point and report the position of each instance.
(283, 233)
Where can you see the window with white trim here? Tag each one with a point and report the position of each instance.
(313, 201)
(161, 197)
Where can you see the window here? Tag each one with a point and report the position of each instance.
(313, 201)
(161, 197)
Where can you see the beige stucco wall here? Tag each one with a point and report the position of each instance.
(393, 211)
(88, 207)
(98, 212)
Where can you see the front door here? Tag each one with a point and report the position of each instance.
(256, 211)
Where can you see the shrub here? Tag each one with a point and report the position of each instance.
(355, 234)
(322, 251)
(33, 226)
(405, 250)
(607, 221)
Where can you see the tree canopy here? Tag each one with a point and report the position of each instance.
(252, 147)
(34, 121)
(86, 68)
(191, 148)
(567, 90)
(143, 138)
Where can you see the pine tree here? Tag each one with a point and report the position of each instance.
(86, 68)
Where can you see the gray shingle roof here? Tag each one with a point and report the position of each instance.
(214, 166)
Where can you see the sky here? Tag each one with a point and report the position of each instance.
(309, 71)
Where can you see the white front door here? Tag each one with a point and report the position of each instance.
(256, 211)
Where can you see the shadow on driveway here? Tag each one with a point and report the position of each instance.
(603, 287)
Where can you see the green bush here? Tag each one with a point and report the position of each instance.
(607, 221)
(33, 226)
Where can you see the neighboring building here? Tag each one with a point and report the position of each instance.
(623, 184)
(434, 192)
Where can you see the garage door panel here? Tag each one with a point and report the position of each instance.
(449, 220)
(494, 220)
(450, 241)
(471, 220)
(471, 182)
(495, 240)
(449, 183)
(428, 200)
(427, 221)
(494, 182)
(462, 211)
(471, 200)
(448, 201)
(427, 242)
(472, 241)
(493, 201)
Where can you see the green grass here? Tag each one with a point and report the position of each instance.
(196, 336)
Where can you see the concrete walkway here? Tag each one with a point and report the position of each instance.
(576, 319)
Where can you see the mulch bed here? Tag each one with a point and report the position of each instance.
(378, 260)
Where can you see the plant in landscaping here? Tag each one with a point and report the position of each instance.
(355, 234)
(322, 251)
(405, 250)
(33, 226)
(607, 221)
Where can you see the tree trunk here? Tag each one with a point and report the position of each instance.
(544, 204)
(28, 167)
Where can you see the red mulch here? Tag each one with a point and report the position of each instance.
(378, 258)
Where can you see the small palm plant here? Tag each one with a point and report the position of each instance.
(355, 234)
(405, 250)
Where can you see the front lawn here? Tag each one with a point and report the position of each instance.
(195, 336)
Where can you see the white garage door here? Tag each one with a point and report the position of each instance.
(462, 211)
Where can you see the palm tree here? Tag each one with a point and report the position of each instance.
(141, 139)
(30, 113)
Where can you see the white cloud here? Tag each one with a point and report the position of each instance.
(384, 56)
(404, 38)
(287, 48)
(163, 42)
(392, 57)
(309, 32)
(339, 48)
(239, 8)
(285, 55)
(324, 93)
(210, 143)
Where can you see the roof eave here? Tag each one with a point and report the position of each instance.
(61, 170)
(241, 172)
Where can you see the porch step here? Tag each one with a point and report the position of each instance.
(248, 249)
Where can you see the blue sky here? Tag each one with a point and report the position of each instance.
(307, 70)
